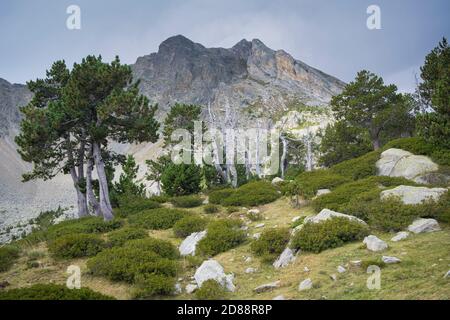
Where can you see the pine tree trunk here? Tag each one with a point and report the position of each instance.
(81, 197)
(105, 204)
(92, 199)
(283, 156)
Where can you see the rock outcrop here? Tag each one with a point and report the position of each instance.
(188, 246)
(211, 269)
(327, 214)
(413, 195)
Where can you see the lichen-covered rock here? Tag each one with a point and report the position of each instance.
(327, 214)
(413, 195)
(400, 236)
(424, 225)
(211, 269)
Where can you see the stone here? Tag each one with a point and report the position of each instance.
(189, 244)
(261, 225)
(267, 287)
(321, 192)
(285, 258)
(413, 195)
(280, 297)
(447, 275)
(305, 285)
(375, 244)
(257, 235)
(434, 178)
(178, 289)
(400, 236)
(277, 180)
(327, 214)
(424, 226)
(400, 163)
(250, 270)
(390, 260)
(211, 269)
(333, 277)
(206, 201)
(190, 288)
(248, 259)
(306, 269)
(295, 219)
(253, 211)
(356, 263)
(341, 269)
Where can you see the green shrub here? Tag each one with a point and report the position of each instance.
(52, 292)
(119, 237)
(271, 243)
(298, 222)
(310, 182)
(188, 225)
(372, 262)
(358, 168)
(163, 248)
(419, 146)
(211, 208)
(136, 260)
(370, 187)
(75, 246)
(160, 199)
(191, 201)
(254, 216)
(181, 179)
(83, 225)
(332, 233)
(222, 235)
(8, 255)
(391, 214)
(150, 285)
(217, 196)
(157, 219)
(133, 204)
(252, 194)
(439, 210)
(210, 290)
(233, 209)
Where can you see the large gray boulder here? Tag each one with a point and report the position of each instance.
(189, 244)
(402, 235)
(424, 225)
(285, 258)
(327, 214)
(211, 269)
(400, 163)
(373, 243)
(413, 195)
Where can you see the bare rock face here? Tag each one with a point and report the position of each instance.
(249, 76)
(424, 225)
(12, 96)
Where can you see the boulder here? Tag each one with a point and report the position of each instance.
(390, 260)
(375, 244)
(400, 163)
(305, 285)
(327, 214)
(435, 178)
(400, 236)
(190, 288)
(178, 289)
(189, 244)
(211, 269)
(424, 225)
(321, 192)
(285, 258)
(267, 287)
(277, 180)
(413, 195)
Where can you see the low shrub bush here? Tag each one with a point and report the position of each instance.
(119, 237)
(358, 168)
(75, 246)
(270, 244)
(191, 201)
(211, 290)
(222, 235)
(133, 204)
(51, 292)
(252, 194)
(157, 219)
(254, 216)
(211, 208)
(332, 233)
(310, 182)
(8, 255)
(217, 196)
(232, 209)
(149, 285)
(163, 248)
(188, 225)
(391, 214)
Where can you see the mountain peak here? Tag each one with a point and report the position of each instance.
(178, 42)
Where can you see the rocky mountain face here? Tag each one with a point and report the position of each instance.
(249, 76)
(12, 96)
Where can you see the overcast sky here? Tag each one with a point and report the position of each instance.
(329, 35)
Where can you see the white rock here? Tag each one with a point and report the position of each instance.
(261, 225)
(295, 219)
(190, 288)
(280, 297)
(341, 269)
(211, 269)
(277, 180)
(375, 244)
(257, 235)
(333, 277)
(390, 260)
(327, 214)
(178, 289)
(253, 211)
(356, 263)
(189, 244)
(447, 275)
(206, 201)
(306, 269)
(321, 192)
(400, 236)
(424, 225)
(305, 285)
(399, 163)
(285, 258)
(248, 260)
(267, 287)
(413, 195)
(250, 270)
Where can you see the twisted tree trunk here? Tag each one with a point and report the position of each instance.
(105, 203)
(92, 199)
